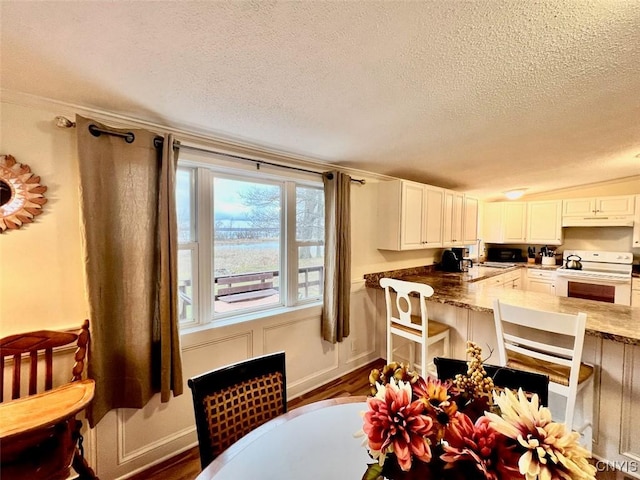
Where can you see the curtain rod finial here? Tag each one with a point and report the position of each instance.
(64, 122)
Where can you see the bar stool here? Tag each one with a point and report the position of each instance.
(549, 343)
(416, 328)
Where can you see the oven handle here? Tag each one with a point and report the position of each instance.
(595, 280)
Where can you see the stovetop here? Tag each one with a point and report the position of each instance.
(598, 264)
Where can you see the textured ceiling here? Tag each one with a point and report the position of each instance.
(480, 96)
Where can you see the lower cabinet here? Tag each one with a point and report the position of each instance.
(542, 281)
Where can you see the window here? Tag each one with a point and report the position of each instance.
(247, 243)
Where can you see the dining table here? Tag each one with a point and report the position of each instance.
(317, 441)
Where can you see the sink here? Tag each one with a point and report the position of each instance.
(497, 264)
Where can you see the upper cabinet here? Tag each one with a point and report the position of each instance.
(544, 222)
(409, 215)
(469, 220)
(505, 222)
(614, 211)
(599, 206)
(413, 215)
(460, 224)
(541, 222)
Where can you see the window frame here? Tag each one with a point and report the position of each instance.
(207, 168)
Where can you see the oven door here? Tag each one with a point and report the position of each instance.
(600, 290)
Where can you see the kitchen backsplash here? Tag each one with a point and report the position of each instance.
(615, 239)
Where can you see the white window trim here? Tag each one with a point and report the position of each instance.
(207, 167)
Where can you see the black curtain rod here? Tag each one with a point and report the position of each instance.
(129, 137)
(158, 141)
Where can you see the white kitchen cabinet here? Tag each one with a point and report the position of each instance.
(505, 222)
(504, 280)
(469, 221)
(542, 281)
(544, 222)
(409, 215)
(433, 216)
(452, 218)
(460, 222)
(513, 279)
(599, 206)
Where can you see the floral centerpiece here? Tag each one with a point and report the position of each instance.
(419, 428)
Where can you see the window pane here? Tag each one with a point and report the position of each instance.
(184, 205)
(185, 286)
(310, 272)
(246, 247)
(309, 214)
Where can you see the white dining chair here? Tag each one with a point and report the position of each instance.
(415, 327)
(549, 343)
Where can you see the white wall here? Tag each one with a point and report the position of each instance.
(41, 276)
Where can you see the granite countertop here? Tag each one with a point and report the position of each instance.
(614, 322)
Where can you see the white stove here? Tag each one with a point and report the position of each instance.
(604, 276)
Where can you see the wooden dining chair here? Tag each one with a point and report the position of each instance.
(37, 348)
(503, 377)
(415, 326)
(231, 401)
(550, 343)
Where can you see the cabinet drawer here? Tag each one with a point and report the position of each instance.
(540, 274)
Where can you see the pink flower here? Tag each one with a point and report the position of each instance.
(479, 444)
(395, 424)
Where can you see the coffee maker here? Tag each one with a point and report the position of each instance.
(463, 256)
(450, 261)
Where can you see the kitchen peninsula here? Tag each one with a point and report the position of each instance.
(466, 290)
(612, 344)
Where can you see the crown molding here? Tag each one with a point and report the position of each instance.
(218, 143)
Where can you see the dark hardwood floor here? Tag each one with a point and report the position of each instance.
(186, 466)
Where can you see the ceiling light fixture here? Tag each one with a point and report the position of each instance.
(515, 194)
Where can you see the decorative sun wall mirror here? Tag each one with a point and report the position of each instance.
(21, 195)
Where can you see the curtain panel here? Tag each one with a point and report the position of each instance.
(337, 256)
(129, 226)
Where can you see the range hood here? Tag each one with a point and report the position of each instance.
(599, 221)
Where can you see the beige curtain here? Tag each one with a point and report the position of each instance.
(128, 208)
(337, 256)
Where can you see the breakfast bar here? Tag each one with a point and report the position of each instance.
(463, 301)
(466, 290)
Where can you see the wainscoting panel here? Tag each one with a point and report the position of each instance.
(363, 338)
(308, 356)
(629, 438)
(130, 440)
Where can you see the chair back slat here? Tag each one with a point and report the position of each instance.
(539, 355)
(33, 372)
(535, 347)
(48, 361)
(17, 364)
(1, 378)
